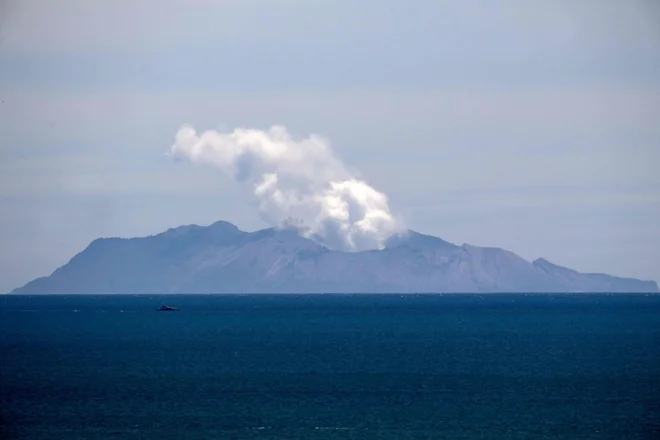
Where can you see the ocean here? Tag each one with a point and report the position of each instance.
(576, 366)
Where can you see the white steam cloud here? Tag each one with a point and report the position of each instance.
(298, 183)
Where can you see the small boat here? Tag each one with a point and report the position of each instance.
(165, 308)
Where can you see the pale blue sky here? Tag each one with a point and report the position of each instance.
(533, 126)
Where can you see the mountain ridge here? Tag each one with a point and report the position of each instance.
(221, 258)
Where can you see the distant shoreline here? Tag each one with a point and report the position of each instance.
(347, 294)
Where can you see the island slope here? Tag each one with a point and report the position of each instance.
(221, 258)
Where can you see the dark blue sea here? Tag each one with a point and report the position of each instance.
(330, 367)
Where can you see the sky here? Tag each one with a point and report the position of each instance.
(531, 126)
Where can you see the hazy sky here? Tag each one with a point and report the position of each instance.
(533, 126)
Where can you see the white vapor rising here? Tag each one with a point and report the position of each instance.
(298, 183)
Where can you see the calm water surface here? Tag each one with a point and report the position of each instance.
(330, 367)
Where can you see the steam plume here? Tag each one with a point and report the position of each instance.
(298, 183)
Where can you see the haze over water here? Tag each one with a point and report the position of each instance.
(330, 366)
